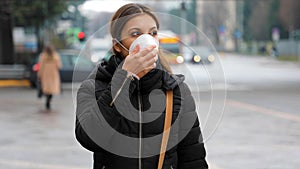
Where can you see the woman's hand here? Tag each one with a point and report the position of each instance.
(141, 62)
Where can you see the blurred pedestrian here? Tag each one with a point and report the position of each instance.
(48, 73)
(274, 51)
(127, 79)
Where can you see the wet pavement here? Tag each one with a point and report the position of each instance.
(32, 137)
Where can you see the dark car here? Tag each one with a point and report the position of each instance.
(199, 54)
(74, 68)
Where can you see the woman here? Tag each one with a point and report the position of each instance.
(122, 90)
(48, 73)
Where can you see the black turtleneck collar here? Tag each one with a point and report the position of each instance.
(106, 69)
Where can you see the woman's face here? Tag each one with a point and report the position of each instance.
(135, 27)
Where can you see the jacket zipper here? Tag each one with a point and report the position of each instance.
(118, 92)
(140, 118)
(140, 126)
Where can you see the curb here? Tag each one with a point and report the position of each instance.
(14, 83)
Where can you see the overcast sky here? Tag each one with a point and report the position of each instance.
(91, 6)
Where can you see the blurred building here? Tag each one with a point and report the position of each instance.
(219, 21)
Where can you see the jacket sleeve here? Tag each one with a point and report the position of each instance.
(84, 111)
(94, 114)
(191, 150)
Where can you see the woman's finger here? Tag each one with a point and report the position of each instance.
(151, 55)
(136, 49)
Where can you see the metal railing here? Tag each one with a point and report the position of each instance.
(13, 72)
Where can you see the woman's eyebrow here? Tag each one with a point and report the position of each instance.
(154, 27)
(134, 28)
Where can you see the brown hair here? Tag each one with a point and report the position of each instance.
(123, 15)
(49, 50)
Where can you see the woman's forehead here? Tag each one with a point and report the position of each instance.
(143, 21)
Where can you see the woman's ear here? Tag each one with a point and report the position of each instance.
(116, 46)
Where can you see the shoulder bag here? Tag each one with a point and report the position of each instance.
(167, 125)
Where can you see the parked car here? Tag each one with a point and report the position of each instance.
(70, 63)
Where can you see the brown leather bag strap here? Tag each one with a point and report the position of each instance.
(167, 125)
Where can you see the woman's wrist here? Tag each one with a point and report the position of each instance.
(132, 75)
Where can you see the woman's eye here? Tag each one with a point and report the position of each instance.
(135, 34)
(154, 33)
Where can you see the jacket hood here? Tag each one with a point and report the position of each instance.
(172, 81)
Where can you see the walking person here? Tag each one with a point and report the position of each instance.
(123, 101)
(48, 73)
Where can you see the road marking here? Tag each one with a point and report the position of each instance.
(23, 164)
(264, 110)
(219, 87)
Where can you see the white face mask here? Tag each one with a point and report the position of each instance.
(144, 41)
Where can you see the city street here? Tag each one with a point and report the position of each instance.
(248, 108)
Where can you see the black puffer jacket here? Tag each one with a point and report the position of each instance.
(112, 109)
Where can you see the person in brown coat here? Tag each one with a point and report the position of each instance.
(48, 74)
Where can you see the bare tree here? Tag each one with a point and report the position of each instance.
(258, 21)
(6, 45)
(215, 14)
(289, 14)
